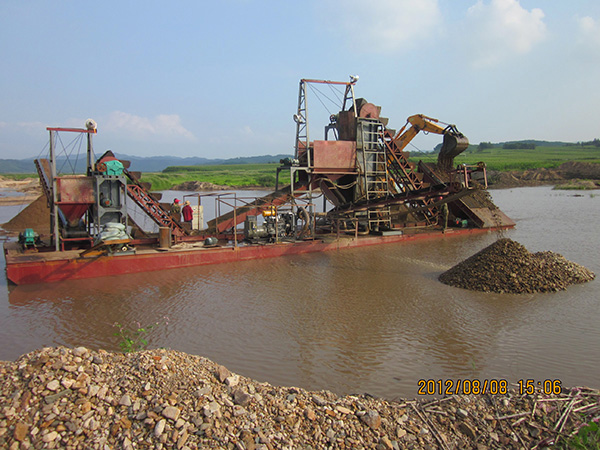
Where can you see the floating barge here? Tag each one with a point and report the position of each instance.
(360, 173)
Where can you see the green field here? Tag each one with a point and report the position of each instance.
(498, 158)
(263, 175)
(19, 176)
(239, 175)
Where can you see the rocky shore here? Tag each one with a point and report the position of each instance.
(77, 398)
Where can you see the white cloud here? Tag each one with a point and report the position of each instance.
(24, 127)
(502, 28)
(163, 125)
(32, 126)
(381, 26)
(589, 30)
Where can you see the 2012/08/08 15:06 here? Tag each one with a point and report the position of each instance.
(487, 386)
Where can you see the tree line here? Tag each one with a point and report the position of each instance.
(594, 143)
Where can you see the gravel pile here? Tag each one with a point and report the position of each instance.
(508, 267)
(81, 399)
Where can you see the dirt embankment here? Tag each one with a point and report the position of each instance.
(77, 398)
(200, 186)
(30, 187)
(205, 186)
(575, 175)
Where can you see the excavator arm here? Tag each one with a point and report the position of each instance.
(454, 141)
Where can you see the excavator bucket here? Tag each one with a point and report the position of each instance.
(452, 146)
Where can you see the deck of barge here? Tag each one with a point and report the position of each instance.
(31, 267)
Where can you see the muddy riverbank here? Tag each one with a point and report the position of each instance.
(18, 192)
(569, 175)
(76, 398)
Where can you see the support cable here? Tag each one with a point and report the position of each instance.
(317, 92)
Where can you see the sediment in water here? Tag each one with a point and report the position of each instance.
(508, 267)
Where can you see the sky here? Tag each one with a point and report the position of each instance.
(220, 79)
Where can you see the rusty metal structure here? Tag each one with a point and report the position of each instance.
(361, 169)
(366, 178)
(355, 187)
(81, 206)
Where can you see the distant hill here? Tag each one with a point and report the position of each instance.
(17, 166)
(159, 163)
(138, 163)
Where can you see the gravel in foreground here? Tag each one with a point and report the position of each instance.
(80, 399)
(508, 267)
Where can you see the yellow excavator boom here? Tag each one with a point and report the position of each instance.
(454, 141)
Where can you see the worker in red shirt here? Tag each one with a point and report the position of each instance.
(188, 213)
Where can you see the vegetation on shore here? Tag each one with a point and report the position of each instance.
(18, 176)
(504, 159)
(498, 157)
(237, 175)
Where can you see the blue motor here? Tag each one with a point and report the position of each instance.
(29, 238)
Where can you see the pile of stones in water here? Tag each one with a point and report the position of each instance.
(159, 399)
(508, 267)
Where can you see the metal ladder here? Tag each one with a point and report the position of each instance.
(374, 161)
(402, 171)
(408, 179)
(379, 217)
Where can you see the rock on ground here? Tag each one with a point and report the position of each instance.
(167, 399)
(507, 267)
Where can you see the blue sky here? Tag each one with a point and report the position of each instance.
(220, 79)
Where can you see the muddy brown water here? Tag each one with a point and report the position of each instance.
(361, 320)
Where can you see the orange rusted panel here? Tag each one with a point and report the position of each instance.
(75, 189)
(340, 155)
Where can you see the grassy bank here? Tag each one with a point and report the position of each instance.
(264, 174)
(18, 176)
(229, 175)
(242, 175)
(501, 159)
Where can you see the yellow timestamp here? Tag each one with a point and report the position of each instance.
(462, 387)
(546, 387)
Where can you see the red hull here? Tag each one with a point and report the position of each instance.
(35, 268)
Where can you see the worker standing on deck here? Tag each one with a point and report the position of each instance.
(188, 212)
(444, 214)
(176, 210)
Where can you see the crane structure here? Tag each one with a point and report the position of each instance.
(365, 172)
(361, 169)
